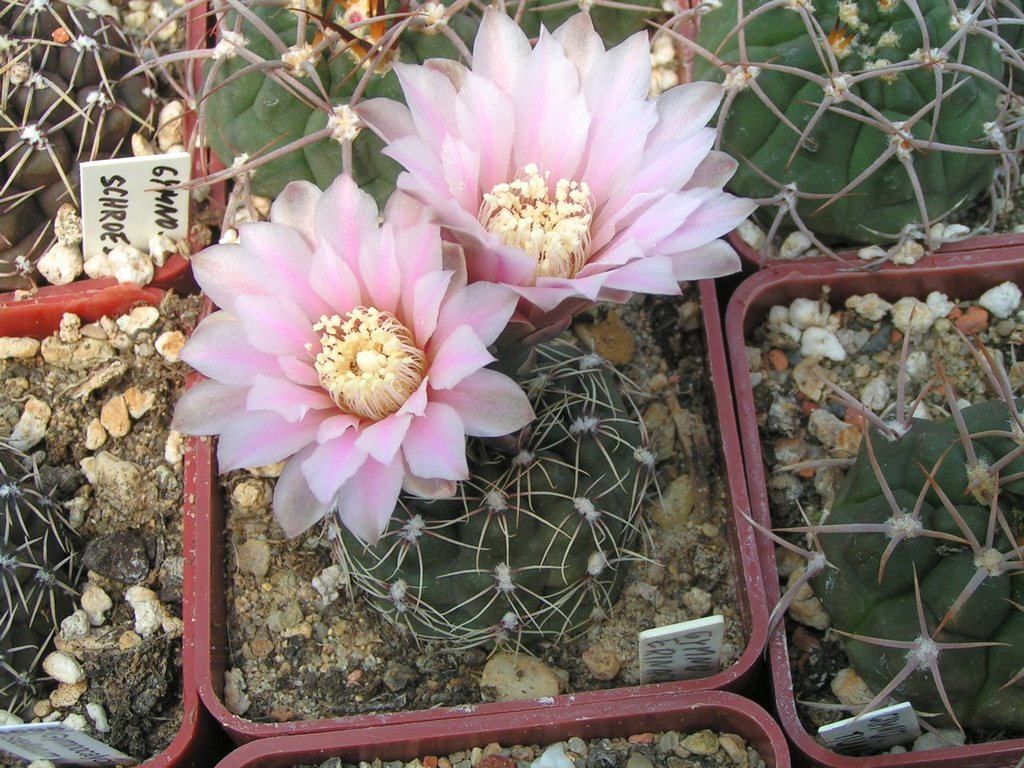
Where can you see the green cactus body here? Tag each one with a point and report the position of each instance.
(534, 543)
(65, 98)
(865, 80)
(37, 565)
(249, 113)
(981, 682)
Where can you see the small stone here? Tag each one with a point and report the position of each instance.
(554, 757)
(871, 253)
(938, 739)
(138, 320)
(67, 694)
(95, 435)
(806, 608)
(141, 146)
(810, 378)
(517, 676)
(939, 304)
(114, 416)
(910, 314)
(1002, 300)
(777, 359)
(906, 253)
(160, 248)
(18, 348)
(169, 344)
(818, 343)
(235, 697)
(74, 626)
(876, 394)
(98, 716)
(122, 484)
(253, 557)
(751, 234)
(677, 502)
(794, 246)
(975, 319)
(149, 613)
(661, 427)
(850, 688)
(870, 306)
(735, 747)
(496, 761)
(139, 402)
(398, 676)
(31, 427)
(63, 667)
(329, 583)
(808, 313)
(701, 743)
(128, 640)
(129, 265)
(601, 662)
(174, 448)
(120, 556)
(95, 602)
(61, 263)
(67, 225)
(9, 718)
(610, 338)
(638, 760)
(42, 708)
(76, 722)
(697, 601)
(170, 125)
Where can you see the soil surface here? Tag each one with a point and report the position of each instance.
(305, 650)
(106, 454)
(805, 463)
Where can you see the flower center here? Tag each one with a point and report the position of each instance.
(555, 232)
(368, 362)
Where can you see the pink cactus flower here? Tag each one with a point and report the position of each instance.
(557, 173)
(348, 351)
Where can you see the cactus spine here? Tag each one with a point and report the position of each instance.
(534, 543)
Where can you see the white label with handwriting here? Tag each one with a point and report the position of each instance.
(684, 651)
(878, 729)
(59, 744)
(129, 200)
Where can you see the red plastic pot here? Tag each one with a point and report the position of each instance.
(691, 712)
(211, 632)
(198, 740)
(959, 275)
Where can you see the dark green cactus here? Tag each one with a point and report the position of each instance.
(930, 519)
(65, 98)
(534, 543)
(37, 567)
(863, 120)
(256, 106)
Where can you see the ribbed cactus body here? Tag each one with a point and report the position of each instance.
(980, 682)
(535, 543)
(65, 98)
(37, 565)
(866, 75)
(249, 112)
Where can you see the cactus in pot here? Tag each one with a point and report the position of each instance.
(67, 97)
(863, 121)
(37, 567)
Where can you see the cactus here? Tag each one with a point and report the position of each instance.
(37, 566)
(65, 98)
(534, 543)
(864, 121)
(279, 84)
(919, 559)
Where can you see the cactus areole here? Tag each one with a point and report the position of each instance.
(958, 537)
(868, 117)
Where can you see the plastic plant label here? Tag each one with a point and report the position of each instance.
(59, 744)
(879, 729)
(683, 651)
(128, 200)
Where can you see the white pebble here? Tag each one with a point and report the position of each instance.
(97, 266)
(141, 146)
(130, 265)
(74, 626)
(907, 253)
(818, 342)
(41, 764)
(61, 264)
(174, 448)
(160, 247)
(170, 130)
(96, 602)
(31, 427)
(794, 246)
(807, 313)
(913, 315)
(149, 613)
(751, 234)
(18, 347)
(168, 345)
(95, 435)
(917, 365)
(139, 319)
(76, 722)
(553, 757)
(9, 718)
(875, 394)
(1002, 300)
(939, 304)
(63, 668)
(870, 306)
(778, 315)
(329, 583)
(99, 716)
(871, 253)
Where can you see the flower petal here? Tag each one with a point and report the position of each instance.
(435, 445)
(346, 218)
(296, 509)
(483, 114)
(580, 41)
(499, 49)
(484, 306)
(382, 439)
(428, 94)
(263, 437)
(218, 348)
(427, 296)
(367, 500)
(291, 401)
(208, 407)
(459, 355)
(295, 206)
(715, 259)
(388, 118)
(713, 218)
(489, 403)
(276, 324)
(330, 464)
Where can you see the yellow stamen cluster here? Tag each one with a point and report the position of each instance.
(555, 232)
(368, 362)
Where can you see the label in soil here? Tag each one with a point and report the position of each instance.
(684, 651)
(129, 200)
(59, 744)
(878, 729)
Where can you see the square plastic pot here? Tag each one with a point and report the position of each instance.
(959, 275)
(211, 623)
(198, 741)
(715, 710)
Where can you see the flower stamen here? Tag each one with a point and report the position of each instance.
(555, 232)
(368, 362)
